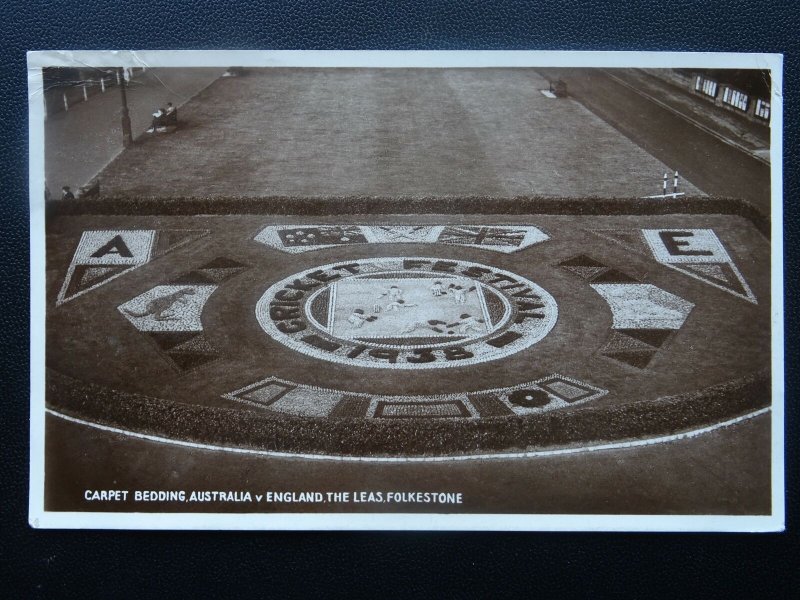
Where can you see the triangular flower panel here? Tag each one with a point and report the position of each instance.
(104, 255)
(700, 254)
(630, 239)
(168, 240)
(724, 276)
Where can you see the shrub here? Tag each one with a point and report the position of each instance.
(287, 205)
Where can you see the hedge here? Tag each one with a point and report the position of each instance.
(406, 437)
(360, 205)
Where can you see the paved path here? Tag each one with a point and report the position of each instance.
(385, 132)
(80, 142)
(712, 165)
(726, 471)
(750, 136)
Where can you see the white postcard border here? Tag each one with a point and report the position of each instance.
(40, 518)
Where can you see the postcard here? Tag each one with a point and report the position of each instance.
(406, 290)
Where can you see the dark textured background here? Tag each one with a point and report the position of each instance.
(79, 564)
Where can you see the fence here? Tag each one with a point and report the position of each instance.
(62, 97)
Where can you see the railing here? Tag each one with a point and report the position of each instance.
(64, 97)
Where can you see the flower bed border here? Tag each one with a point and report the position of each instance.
(407, 437)
(359, 205)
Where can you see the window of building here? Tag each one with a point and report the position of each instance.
(735, 98)
(762, 109)
(706, 86)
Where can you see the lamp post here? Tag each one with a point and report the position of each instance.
(127, 137)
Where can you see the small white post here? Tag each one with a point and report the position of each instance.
(665, 185)
(85, 95)
(103, 84)
(66, 102)
(117, 76)
(675, 184)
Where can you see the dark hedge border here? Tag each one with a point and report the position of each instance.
(357, 205)
(411, 437)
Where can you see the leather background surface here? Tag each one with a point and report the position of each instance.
(90, 563)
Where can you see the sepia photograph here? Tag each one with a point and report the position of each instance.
(406, 290)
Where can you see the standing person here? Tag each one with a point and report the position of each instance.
(437, 289)
(66, 193)
(458, 293)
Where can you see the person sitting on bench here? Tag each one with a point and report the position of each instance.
(158, 120)
(171, 115)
